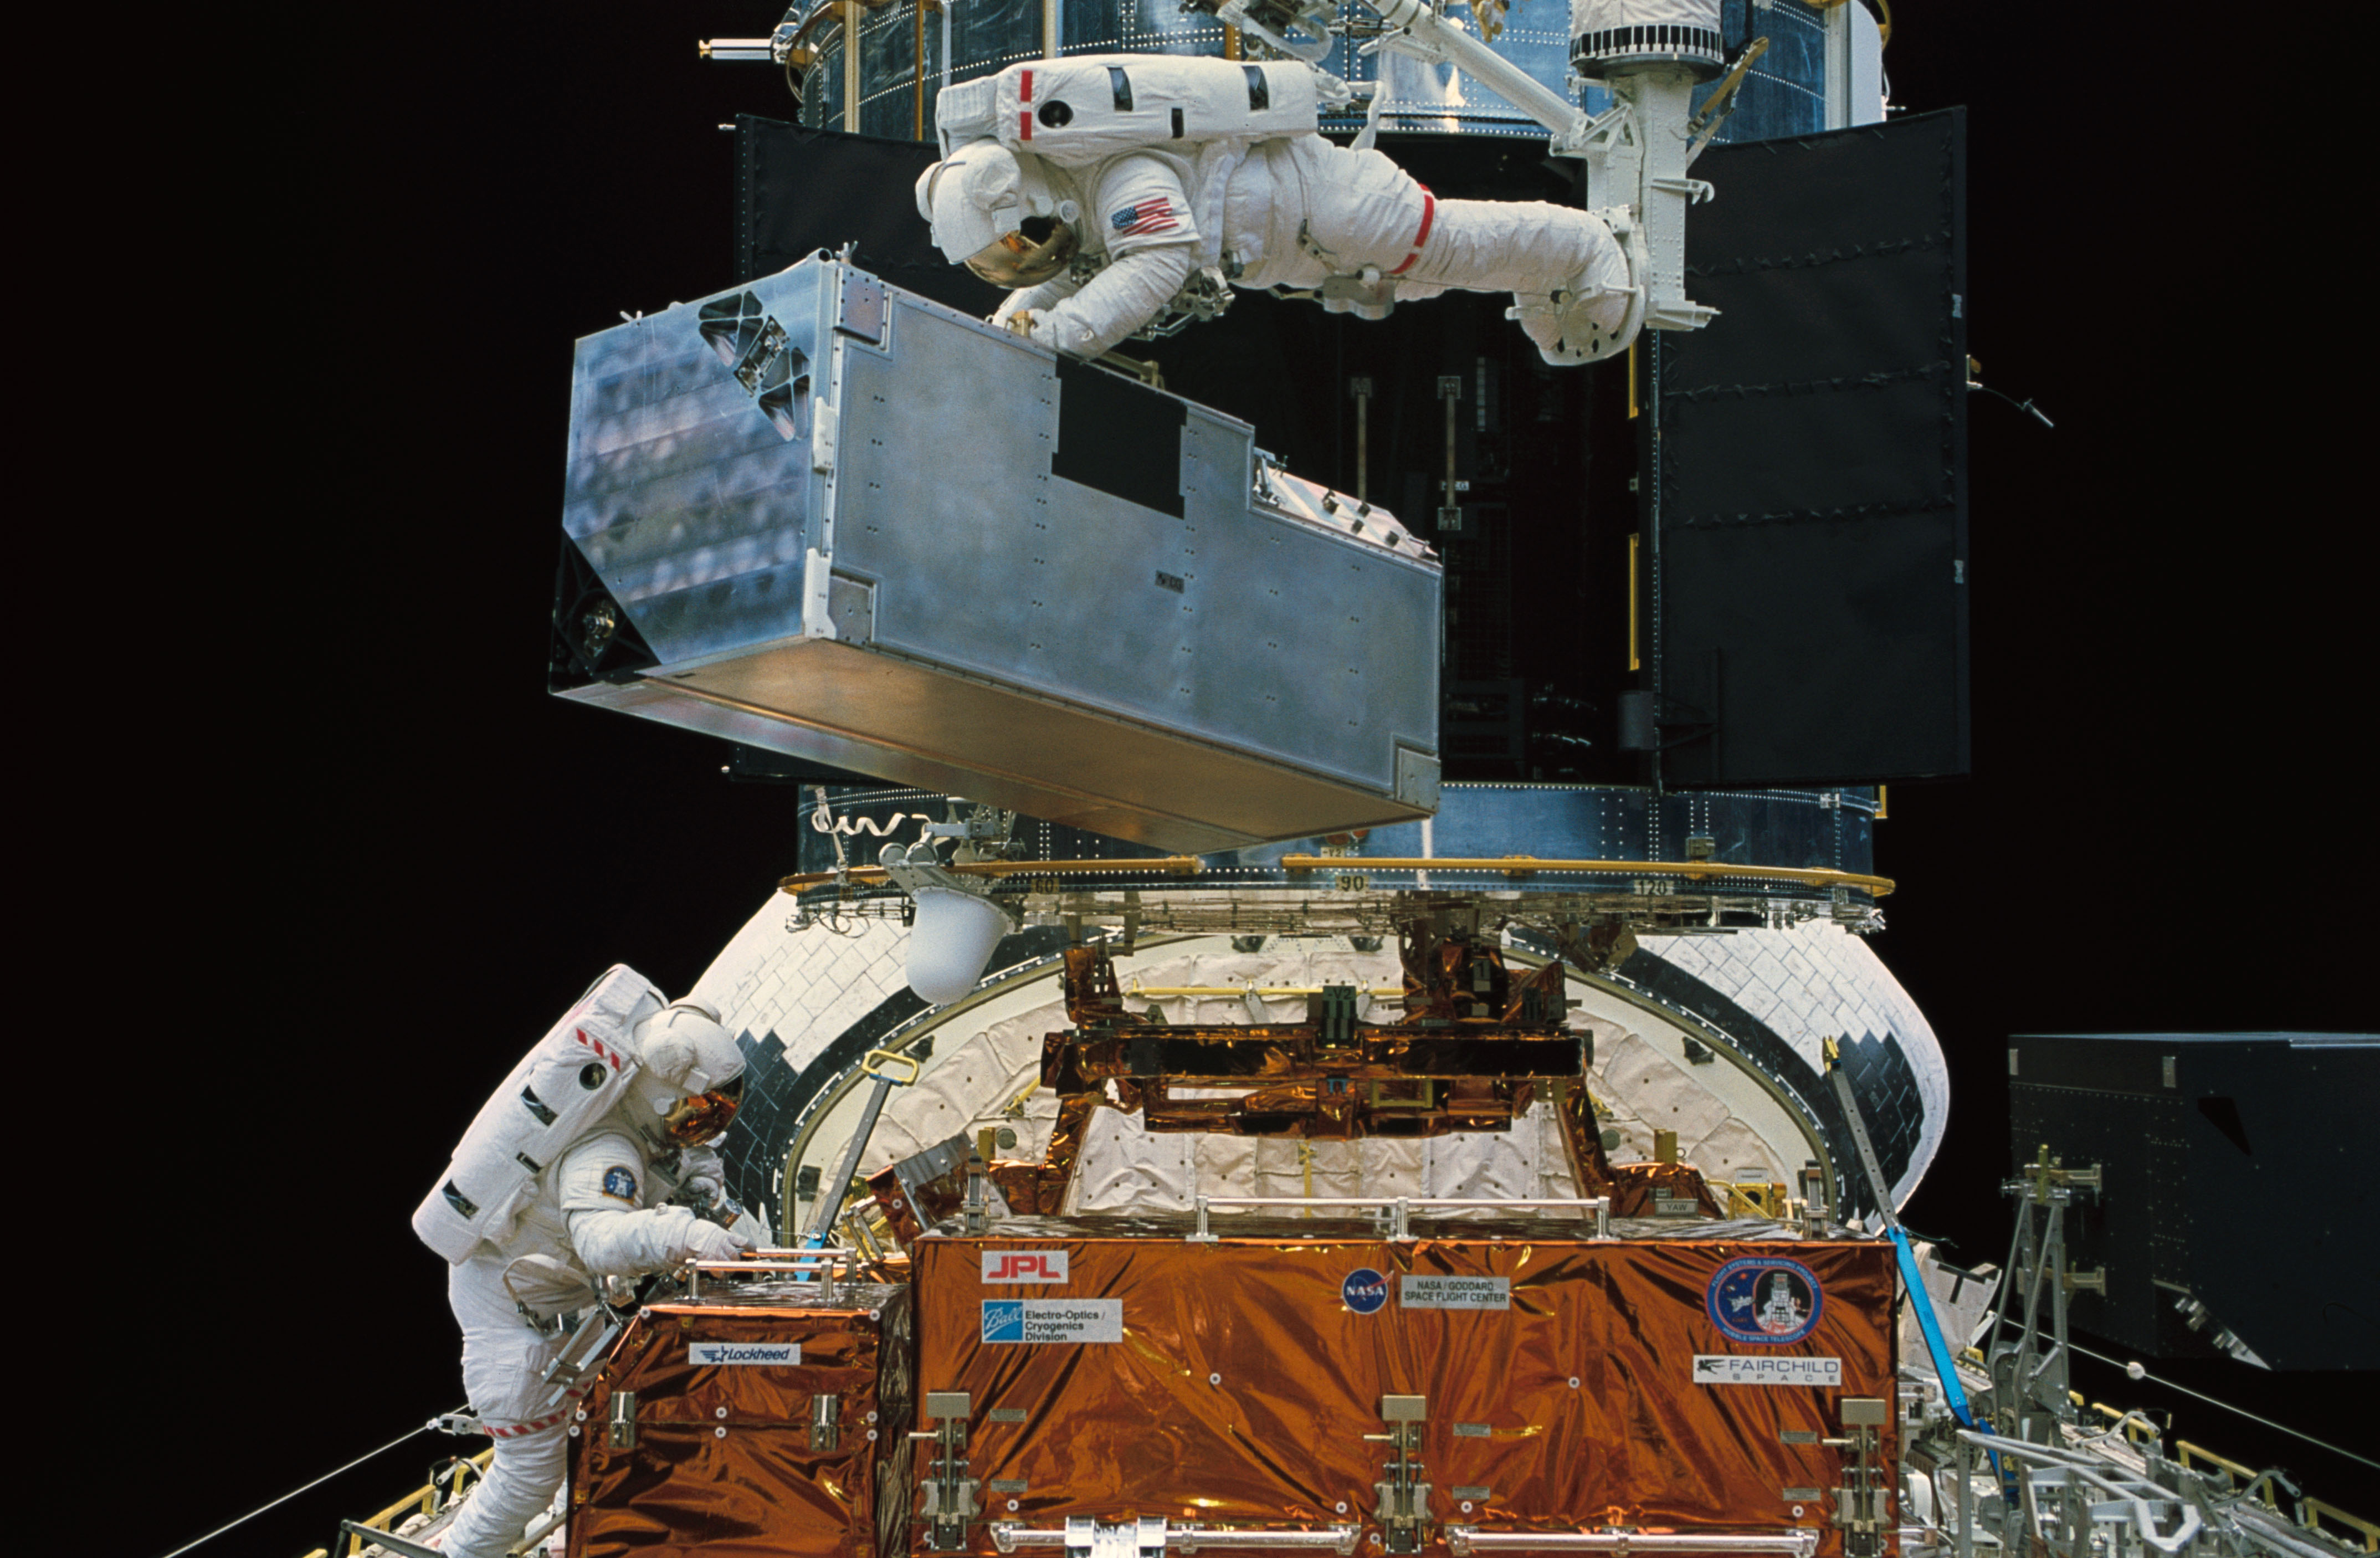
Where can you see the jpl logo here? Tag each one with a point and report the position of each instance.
(1025, 1265)
(1364, 1290)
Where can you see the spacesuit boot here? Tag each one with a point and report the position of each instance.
(1593, 314)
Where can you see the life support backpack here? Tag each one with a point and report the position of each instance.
(1086, 108)
(576, 1072)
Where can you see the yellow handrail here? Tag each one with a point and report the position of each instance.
(422, 1500)
(2184, 1450)
(2311, 1510)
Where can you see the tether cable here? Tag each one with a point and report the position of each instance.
(293, 1493)
(2134, 1371)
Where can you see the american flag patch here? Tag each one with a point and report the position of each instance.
(1152, 215)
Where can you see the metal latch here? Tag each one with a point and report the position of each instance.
(1859, 1502)
(826, 1428)
(950, 1493)
(1144, 1538)
(1403, 1507)
(622, 1430)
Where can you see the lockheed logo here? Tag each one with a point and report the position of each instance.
(1025, 1265)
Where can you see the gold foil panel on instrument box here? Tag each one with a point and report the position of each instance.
(1232, 1382)
(747, 1429)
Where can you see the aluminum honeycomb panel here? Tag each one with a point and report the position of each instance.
(946, 557)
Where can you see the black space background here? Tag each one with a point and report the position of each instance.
(339, 859)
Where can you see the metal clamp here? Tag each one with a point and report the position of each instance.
(1859, 1501)
(1403, 1498)
(950, 1493)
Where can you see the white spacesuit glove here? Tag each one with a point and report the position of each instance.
(701, 1176)
(1120, 300)
(709, 1241)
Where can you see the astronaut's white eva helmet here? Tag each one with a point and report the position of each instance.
(996, 215)
(687, 1059)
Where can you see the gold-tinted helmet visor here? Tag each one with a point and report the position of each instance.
(704, 1116)
(1036, 252)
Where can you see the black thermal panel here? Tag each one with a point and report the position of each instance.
(2236, 1198)
(800, 190)
(1808, 452)
(1123, 438)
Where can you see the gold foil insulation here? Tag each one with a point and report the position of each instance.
(723, 1462)
(1245, 1373)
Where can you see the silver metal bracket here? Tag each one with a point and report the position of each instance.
(620, 1432)
(950, 1493)
(1859, 1501)
(1402, 1507)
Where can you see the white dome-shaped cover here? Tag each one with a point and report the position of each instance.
(951, 943)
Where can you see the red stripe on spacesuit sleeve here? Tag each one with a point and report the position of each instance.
(1024, 126)
(1428, 215)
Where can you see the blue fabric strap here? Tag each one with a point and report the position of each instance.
(1922, 1302)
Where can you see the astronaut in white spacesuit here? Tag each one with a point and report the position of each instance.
(592, 1212)
(1295, 211)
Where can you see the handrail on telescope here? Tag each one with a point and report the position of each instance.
(1524, 865)
(1171, 865)
(1517, 867)
(1399, 1208)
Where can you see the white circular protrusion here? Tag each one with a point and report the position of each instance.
(951, 941)
(719, 1432)
(1012, 1506)
(2134, 1371)
(1214, 1378)
(871, 1434)
(581, 1416)
(1466, 1506)
(1342, 1506)
(1574, 1381)
(573, 1431)
(1797, 1512)
(720, 1413)
(871, 1416)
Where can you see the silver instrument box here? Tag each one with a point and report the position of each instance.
(858, 528)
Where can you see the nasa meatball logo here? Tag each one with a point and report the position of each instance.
(1766, 1300)
(1364, 1290)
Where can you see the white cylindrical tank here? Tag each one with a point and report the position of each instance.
(1615, 37)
